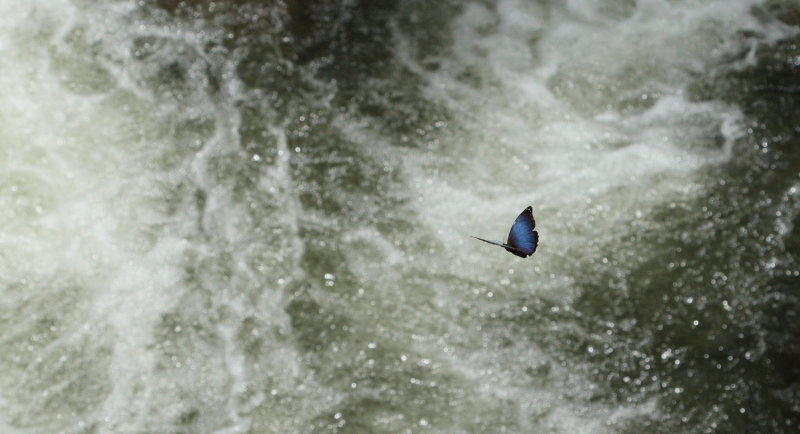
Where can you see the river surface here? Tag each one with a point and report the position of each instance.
(255, 216)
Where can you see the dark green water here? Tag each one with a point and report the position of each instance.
(254, 217)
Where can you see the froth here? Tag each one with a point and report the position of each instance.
(583, 113)
(78, 199)
(216, 277)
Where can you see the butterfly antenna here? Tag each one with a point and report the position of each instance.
(487, 241)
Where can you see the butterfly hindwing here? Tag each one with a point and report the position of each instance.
(522, 237)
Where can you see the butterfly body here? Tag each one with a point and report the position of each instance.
(522, 239)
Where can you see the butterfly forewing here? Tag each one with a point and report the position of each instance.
(522, 236)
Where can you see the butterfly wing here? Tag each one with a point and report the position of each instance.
(522, 237)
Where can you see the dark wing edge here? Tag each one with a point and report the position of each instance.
(529, 211)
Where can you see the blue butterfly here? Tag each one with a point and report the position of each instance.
(523, 239)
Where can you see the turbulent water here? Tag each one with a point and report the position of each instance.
(255, 217)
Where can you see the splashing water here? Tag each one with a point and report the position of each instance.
(249, 217)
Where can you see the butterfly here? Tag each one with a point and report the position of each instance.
(522, 239)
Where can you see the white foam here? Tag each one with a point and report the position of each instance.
(562, 153)
(580, 109)
(78, 191)
(591, 125)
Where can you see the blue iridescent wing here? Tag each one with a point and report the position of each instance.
(522, 237)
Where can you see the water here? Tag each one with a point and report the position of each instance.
(254, 217)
